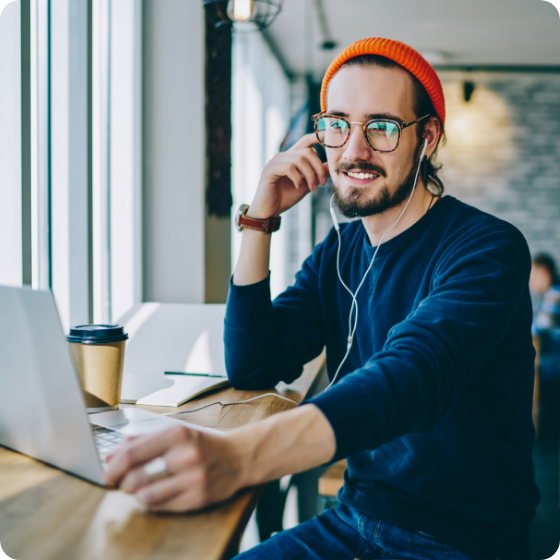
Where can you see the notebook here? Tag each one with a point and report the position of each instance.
(175, 352)
(182, 389)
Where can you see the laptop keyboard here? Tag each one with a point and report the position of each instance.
(106, 441)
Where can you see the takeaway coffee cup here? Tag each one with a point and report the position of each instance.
(98, 354)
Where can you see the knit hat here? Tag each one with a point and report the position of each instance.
(398, 52)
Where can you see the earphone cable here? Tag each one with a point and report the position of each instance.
(355, 294)
(351, 328)
(223, 405)
(344, 284)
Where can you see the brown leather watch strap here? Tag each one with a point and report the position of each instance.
(267, 225)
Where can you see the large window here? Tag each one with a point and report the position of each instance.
(70, 141)
(116, 156)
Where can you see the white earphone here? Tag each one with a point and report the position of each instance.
(352, 328)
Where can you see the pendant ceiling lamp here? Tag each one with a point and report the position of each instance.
(243, 16)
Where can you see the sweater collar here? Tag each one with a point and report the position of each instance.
(421, 225)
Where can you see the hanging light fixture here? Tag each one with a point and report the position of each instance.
(241, 10)
(243, 15)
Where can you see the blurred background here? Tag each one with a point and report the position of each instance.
(131, 130)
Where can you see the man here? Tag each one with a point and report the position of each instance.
(432, 394)
(544, 284)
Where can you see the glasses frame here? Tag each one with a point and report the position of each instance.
(400, 126)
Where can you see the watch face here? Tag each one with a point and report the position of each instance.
(240, 212)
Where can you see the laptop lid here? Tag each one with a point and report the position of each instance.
(42, 410)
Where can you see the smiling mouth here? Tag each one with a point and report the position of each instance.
(361, 175)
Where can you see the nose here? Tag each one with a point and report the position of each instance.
(357, 147)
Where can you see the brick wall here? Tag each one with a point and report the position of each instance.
(503, 151)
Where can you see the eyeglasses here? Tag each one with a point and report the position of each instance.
(382, 135)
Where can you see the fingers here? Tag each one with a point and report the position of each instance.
(133, 480)
(319, 174)
(183, 456)
(305, 142)
(136, 452)
(161, 494)
(110, 455)
(202, 468)
(321, 169)
(307, 176)
(307, 170)
(296, 177)
(192, 472)
(185, 501)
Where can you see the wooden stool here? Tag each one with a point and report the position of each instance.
(330, 483)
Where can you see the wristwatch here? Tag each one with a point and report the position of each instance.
(267, 225)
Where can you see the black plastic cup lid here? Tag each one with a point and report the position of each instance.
(96, 334)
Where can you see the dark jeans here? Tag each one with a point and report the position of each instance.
(344, 533)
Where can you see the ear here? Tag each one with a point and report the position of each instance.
(432, 133)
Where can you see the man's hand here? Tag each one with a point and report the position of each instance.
(203, 468)
(287, 178)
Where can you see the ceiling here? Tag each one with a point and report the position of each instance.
(447, 32)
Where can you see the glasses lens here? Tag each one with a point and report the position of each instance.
(332, 131)
(383, 135)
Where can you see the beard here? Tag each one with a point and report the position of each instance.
(356, 203)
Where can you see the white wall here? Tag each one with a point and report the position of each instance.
(173, 151)
(10, 146)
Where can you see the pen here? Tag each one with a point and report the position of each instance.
(197, 374)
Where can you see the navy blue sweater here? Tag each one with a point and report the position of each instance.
(432, 409)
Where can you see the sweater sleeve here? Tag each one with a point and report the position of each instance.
(267, 342)
(429, 358)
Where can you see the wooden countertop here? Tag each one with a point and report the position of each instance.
(46, 514)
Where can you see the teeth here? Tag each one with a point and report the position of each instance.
(360, 175)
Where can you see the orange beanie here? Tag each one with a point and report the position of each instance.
(398, 52)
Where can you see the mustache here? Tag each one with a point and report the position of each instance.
(346, 166)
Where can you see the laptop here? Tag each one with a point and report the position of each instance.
(42, 409)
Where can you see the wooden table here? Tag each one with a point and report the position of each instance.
(46, 514)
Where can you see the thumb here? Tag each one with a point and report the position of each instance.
(326, 166)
